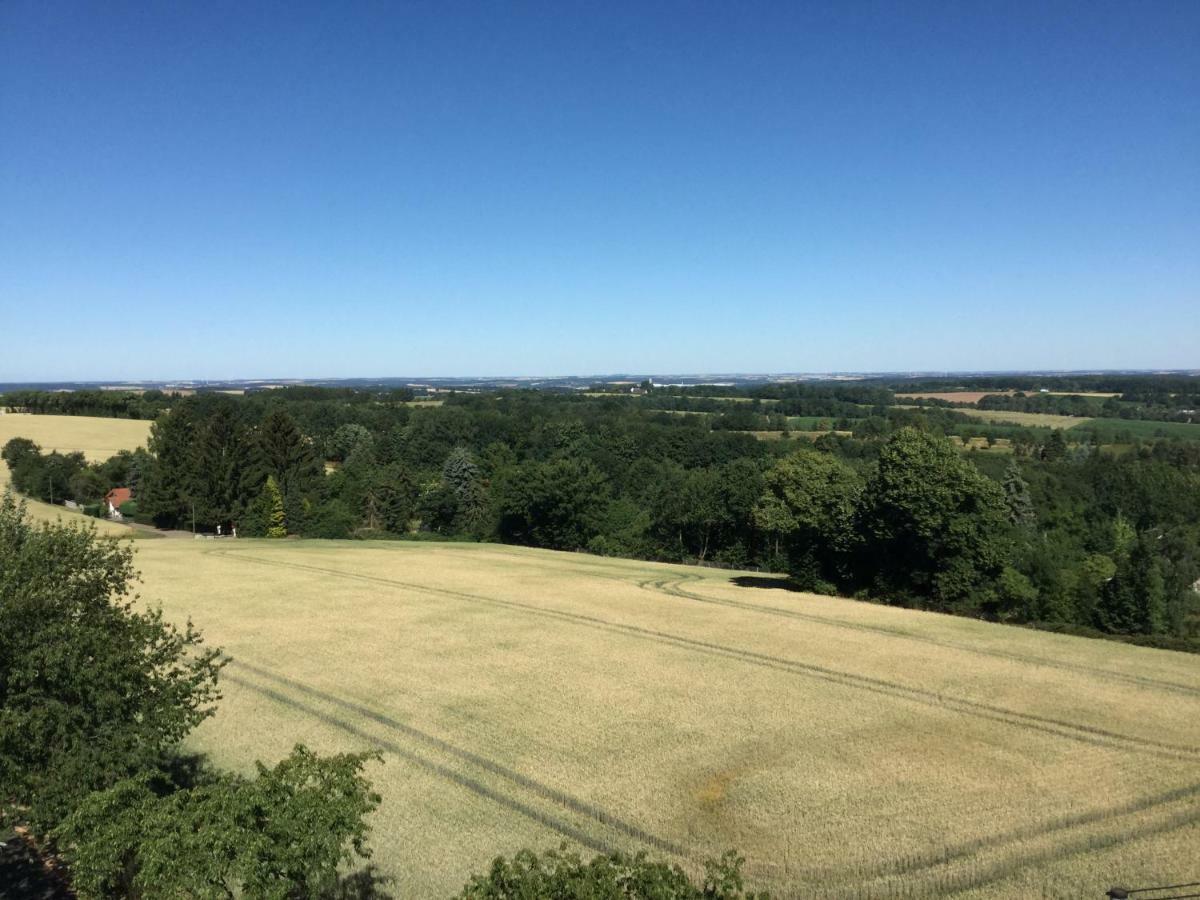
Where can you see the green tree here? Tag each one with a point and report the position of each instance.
(460, 473)
(1055, 447)
(808, 505)
(558, 504)
(1134, 600)
(931, 525)
(393, 498)
(1016, 497)
(332, 519)
(272, 506)
(346, 440)
(19, 449)
(283, 834)
(170, 482)
(280, 449)
(93, 688)
(219, 460)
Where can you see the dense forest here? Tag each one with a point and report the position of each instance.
(852, 494)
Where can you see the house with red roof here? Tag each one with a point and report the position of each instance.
(115, 498)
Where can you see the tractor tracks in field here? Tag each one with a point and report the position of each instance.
(921, 863)
(284, 693)
(1060, 728)
(673, 587)
(980, 876)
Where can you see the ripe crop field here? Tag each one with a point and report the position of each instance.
(1029, 420)
(97, 438)
(1104, 395)
(525, 698)
(953, 396)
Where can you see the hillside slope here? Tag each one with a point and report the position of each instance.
(526, 697)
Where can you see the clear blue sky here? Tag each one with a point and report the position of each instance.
(245, 189)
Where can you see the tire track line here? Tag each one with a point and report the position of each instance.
(1005, 868)
(1056, 727)
(566, 829)
(669, 583)
(575, 805)
(917, 864)
(672, 588)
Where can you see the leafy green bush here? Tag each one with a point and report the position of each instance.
(93, 687)
(331, 520)
(281, 834)
(559, 875)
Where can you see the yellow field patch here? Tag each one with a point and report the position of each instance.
(523, 698)
(952, 396)
(1104, 394)
(97, 438)
(1031, 420)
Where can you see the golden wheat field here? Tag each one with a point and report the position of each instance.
(524, 697)
(97, 438)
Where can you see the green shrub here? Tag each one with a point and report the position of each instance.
(561, 875)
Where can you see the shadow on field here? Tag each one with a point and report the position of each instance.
(779, 582)
(365, 884)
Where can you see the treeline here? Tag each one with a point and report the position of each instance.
(861, 393)
(112, 404)
(827, 403)
(150, 404)
(96, 696)
(1131, 386)
(1162, 408)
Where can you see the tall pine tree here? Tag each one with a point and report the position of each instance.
(1017, 499)
(273, 506)
(281, 451)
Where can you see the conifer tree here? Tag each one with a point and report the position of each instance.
(1134, 600)
(1017, 499)
(461, 475)
(273, 503)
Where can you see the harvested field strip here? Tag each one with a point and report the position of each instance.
(477, 787)
(671, 587)
(1057, 727)
(524, 782)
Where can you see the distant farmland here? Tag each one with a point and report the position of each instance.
(953, 396)
(95, 437)
(524, 698)
(1029, 420)
(1114, 429)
